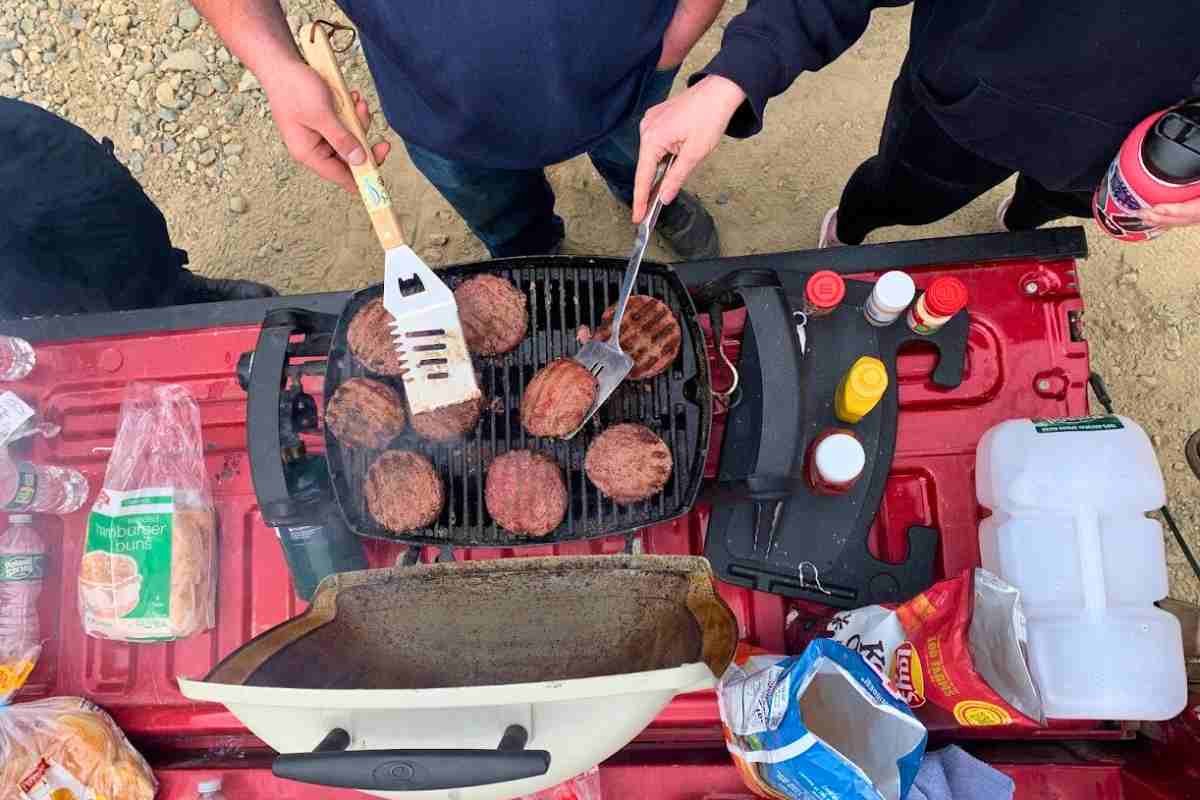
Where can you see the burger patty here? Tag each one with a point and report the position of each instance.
(370, 339)
(365, 413)
(525, 493)
(404, 491)
(628, 463)
(449, 422)
(493, 313)
(650, 334)
(558, 398)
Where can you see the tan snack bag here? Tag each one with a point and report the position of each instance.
(148, 571)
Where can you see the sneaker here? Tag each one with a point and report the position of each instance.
(828, 236)
(192, 288)
(1002, 211)
(688, 229)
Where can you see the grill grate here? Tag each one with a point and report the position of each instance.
(564, 293)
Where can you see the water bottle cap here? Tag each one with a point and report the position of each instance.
(825, 289)
(20, 519)
(839, 458)
(209, 786)
(946, 297)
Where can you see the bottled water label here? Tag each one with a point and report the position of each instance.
(22, 568)
(1077, 424)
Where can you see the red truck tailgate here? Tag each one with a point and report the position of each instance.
(1025, 358)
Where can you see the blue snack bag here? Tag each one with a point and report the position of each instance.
(822, 725)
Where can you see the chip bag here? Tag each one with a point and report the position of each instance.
(818, 726)
(956, 652)
(148, 571)
(66, 748)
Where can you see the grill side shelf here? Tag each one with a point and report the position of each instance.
(807, 545)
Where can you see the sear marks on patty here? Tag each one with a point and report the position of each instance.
(449, 423)
(650, 334)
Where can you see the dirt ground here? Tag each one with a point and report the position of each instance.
(191, 123)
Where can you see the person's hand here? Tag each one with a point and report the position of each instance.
(302, 106)
(690, 124)
(1172, 215)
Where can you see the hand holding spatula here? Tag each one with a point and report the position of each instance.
(427, 331)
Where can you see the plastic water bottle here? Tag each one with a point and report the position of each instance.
(16, 358)
(22, 569)
(40, 488)
(1069, 499)
(210, 790)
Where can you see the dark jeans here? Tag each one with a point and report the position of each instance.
(920, 175)
(77, 233)
(512, 211)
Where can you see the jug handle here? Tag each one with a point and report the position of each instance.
(1091, 558)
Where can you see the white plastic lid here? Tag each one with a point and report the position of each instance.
(209, 786)
(839, 458)
(20, 519)
(894, 291)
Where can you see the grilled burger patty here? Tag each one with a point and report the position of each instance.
(525, 492)
(404, 491)
(450, 422)
(650, 334)
(493, 313)
(370, 339)
(628, 463)
(558, 398)
(365, 413)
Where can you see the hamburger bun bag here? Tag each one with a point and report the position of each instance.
(148, 571)
(66, 748)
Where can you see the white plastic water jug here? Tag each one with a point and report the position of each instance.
(1069, 529)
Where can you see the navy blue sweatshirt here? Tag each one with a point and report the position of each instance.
(1047, 87)
(509, 83)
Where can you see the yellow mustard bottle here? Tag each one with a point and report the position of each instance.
(860, 389)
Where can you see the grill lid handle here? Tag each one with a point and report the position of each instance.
(330, 764)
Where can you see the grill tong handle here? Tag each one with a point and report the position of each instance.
(331, 764)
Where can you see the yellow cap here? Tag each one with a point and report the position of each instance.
(860, 389)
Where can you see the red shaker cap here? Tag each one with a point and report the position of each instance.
(825, 289)
(945, 297)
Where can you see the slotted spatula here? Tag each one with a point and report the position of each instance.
(427, 331)
(606, 360)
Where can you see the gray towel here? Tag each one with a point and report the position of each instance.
(954, 774)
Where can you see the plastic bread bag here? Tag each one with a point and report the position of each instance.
(66, 747)
(816, 726)
(148, 571)
(16, 664)
(956, 652)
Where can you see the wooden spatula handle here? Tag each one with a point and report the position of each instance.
(314, 43)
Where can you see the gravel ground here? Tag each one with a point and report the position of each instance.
(194, 126)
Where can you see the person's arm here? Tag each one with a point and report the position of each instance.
(764, 50)
(257, 33)
(691, 20)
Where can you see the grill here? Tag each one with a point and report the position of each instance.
(564, 293)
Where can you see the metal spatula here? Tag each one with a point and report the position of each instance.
(427, 331)
(606, 360)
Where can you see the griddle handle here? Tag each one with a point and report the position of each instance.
(412, 770)
(264, 390)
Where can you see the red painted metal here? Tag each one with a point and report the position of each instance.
(1015, 337)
